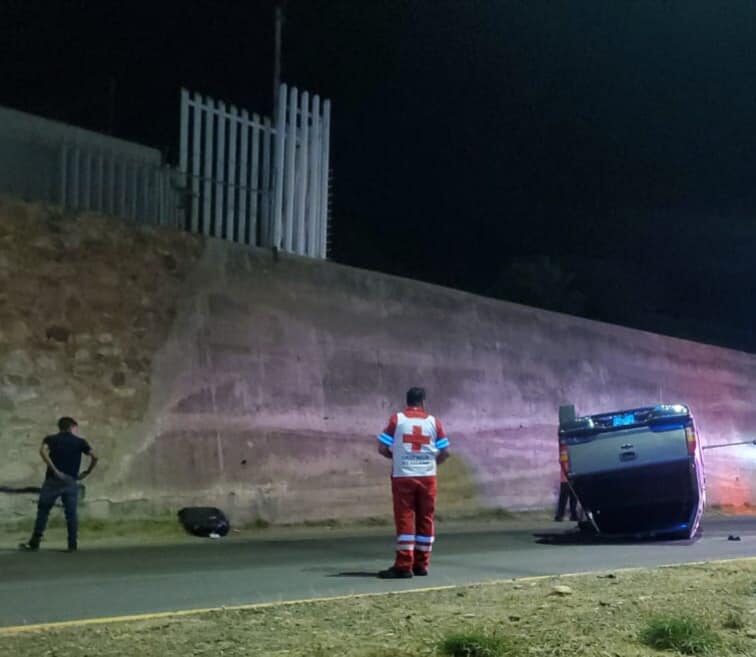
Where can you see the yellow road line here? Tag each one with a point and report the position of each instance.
(103, 620)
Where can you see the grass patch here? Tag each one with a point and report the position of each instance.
(326, 522)
(734, 620)
(155, 527)
(484, 515)
(475, 645)
(685, 635)
(166, 525)
(158, 526)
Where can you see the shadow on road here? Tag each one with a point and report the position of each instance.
(356, 573)
(577, 537)
(34, 554)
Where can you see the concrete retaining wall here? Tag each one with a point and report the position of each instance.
(261, 381)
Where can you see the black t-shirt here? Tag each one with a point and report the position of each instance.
(65, 452)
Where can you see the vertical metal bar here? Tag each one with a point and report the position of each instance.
(160, 196)
(166, 217)
(122, 208)
(243, 181)
(175, 200)
(325, 140)
(196, 159)
(112, 184)
(169, 197)
(146, 214)
(87, 181)
(266, 192)
(75, 171)
(92, 180)
(166, 196)
(134, 190)
(207, 172)
(157, 196)
(278, 25)
(233, 125)
(300, 244)
(63, 174)
(220, 165)
(289, 170)
(143, 213)
(100, 182)
(184, 132)
(184, 145)
(254, 185)
(278, 167)
(124, 188)
(313, 190)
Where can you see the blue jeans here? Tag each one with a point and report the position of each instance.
(52, 489)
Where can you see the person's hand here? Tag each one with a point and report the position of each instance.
(84, 474)
(65, 478)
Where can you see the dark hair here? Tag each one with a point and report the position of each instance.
(67, 423)
(415, 396)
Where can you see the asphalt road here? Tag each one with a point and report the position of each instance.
(54, 586)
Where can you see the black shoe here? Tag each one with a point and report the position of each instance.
(71, 548)
(28, 547)
(394, 573)
(558, 518)
(419, 571)
(574, 518)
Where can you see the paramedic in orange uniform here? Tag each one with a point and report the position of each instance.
(415, 442)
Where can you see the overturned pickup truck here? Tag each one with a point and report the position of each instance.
(637, 472)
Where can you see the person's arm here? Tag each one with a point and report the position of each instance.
(44, 452)
(92, 464)
(442, 443)
(386, 438)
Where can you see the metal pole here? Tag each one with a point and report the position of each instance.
(111, 105)
(184, 135)
(278, 167)
(290, 170)
(278, 25)
(325, 138)
(588, 512)
(302, 163)
(742, 442)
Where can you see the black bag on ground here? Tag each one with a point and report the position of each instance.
(204, 520)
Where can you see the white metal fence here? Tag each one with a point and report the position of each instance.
(254, 181)
(80, 169)
(113, 183)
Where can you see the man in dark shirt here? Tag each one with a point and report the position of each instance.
(62, 454)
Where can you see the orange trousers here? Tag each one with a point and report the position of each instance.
(414, 506)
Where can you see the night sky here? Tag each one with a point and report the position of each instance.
(596, 158)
